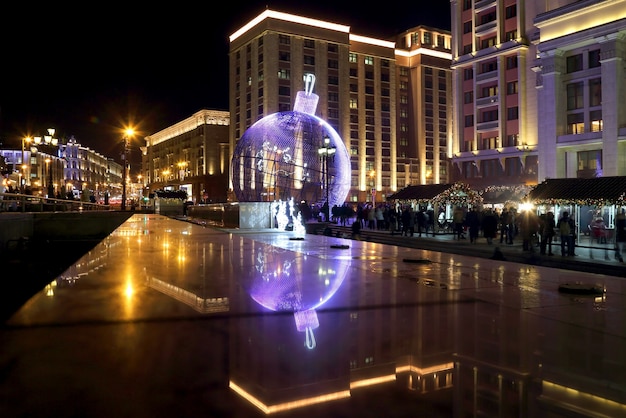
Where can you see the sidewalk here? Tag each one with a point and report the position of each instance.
(596, 259)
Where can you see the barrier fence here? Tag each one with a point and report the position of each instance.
(15, 202)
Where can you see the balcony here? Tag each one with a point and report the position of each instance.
(487, 126)
(487, 101)
(486, 28)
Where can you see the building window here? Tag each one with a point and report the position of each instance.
(512, 113)
(510, 11)
(489, 91)
(467, 4)
(441, 41)
(369, 60)
(309, 60)
(511, 35)
(595, 120)
(469, 121)
(468, 97)
(575, 96)
(488, 67)
(333, 63)
(595, 92)
(428, 38)
(489, 115)
(333, 47)
(404, 85)
(512, 140)
(353, 57)
(284, 91)
(284, 74)
(468, 74)
(404, 71)
(590, 161)
(594, 58)
(574, 63)
(511, 62)
(467, 26)
(333, 80)
(284, 56)
(309, 43)
(467, 49)
(284, 39)
(353, 103)
(486, 43)
(511, 87)
(575, 123)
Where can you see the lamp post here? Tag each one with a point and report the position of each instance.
(49, 141)
(128, 134)
(28, 140)
(325, 152)
(50, 185)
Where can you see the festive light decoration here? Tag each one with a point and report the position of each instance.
(460, 194)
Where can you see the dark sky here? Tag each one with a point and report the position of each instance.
(91, 69)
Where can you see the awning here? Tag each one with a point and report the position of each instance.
(439, 194)
(599, 191)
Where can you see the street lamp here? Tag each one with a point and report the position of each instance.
(128, 134)
(23, 184)
(50, 185)
(325, 152)
(49, 141)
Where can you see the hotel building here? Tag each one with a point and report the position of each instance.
(537, 87)
(495, 115)
(581, 89)
(369, 92)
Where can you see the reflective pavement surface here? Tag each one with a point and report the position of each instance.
(168, 318)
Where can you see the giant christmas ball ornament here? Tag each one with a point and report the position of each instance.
(291, 155)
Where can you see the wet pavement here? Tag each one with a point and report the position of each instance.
(170, 318)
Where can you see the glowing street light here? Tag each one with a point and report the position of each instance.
(128, 134)
(23, 182)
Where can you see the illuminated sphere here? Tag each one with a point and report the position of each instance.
(278, 158)
(281, 282)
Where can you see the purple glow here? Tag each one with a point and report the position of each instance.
(277, 159)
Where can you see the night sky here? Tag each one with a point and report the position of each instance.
(89, 71)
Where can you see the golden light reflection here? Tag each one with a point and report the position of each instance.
(286, 406)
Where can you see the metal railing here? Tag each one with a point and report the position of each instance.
(15, 202)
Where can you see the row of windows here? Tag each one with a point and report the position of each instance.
(576, 122)
(576, 63)
(575, 94)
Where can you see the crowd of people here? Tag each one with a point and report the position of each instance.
(545, 232)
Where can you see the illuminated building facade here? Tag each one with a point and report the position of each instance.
(357, 86)
(86, 169)
(581, 85)
(537, 90)
(424, 106)
(495, 115)
(191, 155)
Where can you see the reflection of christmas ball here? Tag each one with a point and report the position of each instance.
(279, 158)
(280, 282)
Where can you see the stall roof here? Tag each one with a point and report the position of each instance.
(420, 192)
(593, 191)
(454, 194)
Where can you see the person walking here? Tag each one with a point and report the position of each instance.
(566, 228)
(489, 225)
(620, 234)
(505, 219)
(421, 221)
(547, 233)
(458, 218)
(473, 224)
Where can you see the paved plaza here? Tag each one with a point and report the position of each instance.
(171, 318)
